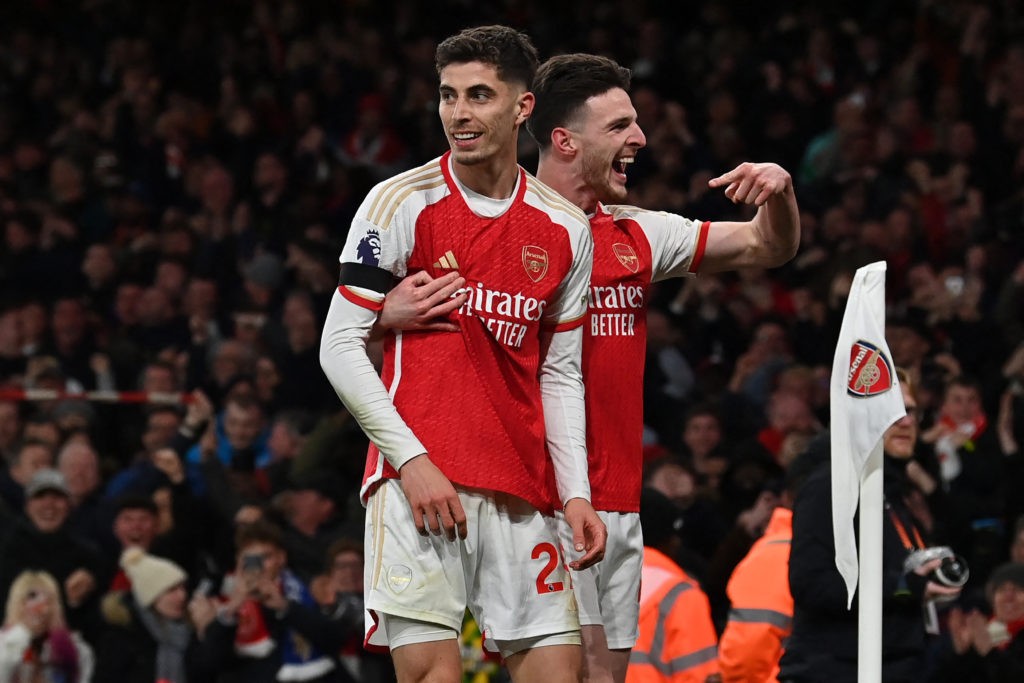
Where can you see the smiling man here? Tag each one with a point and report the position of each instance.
(588, 133)
(477, 435)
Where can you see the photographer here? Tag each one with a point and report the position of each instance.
(267, 626)
(823, 645)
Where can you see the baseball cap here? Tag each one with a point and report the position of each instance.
(46, 480)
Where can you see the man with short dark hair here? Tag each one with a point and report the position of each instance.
(469, 429)
(268, 627)
(41, 540)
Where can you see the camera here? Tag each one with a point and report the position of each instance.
(952, 572)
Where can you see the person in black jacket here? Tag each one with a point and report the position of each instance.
(42, 540)
(823, 645)
(146, 634)
(267, 627)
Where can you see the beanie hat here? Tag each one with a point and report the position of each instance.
(151, 576)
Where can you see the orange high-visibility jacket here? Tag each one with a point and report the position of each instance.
(677, 640)
(761, 607)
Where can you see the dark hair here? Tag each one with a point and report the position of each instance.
(135, 501)
(509, 51)
(562, 86)
(260, 531)
(343, 545)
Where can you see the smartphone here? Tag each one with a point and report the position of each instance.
(252, 563)
(205, 587)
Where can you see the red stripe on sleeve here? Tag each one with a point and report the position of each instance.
(702, 243)
(569, 324)
(360, 300)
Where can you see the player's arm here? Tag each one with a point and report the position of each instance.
(769, 239)
(561, 385)
(365, 280)
(422, 303)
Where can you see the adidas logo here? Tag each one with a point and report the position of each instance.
(447, 261)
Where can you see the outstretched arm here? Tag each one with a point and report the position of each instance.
(769, 239)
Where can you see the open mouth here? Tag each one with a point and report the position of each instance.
(620, 164)
(465, 137)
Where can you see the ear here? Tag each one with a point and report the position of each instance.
(526, 103)
(563, 141)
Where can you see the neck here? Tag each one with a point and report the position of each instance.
(495, 178)
(562, 178)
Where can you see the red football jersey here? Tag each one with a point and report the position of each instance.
(632, 248)
(473, 397)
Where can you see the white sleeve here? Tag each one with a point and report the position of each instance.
(561, 390)
(561, 377)
(14, 640)
(345, 362)
(86, 658)
(677, 243)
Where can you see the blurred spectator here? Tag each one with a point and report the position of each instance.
(702, 527)
(268, 627)
(237, 443)
(984, 649)
(971, 469)
(146, 634)
(80, 465)
(35, 643)
(310, 512)
(42, 540)
(29, 457)
(339, 590)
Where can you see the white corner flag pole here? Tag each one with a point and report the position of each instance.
(869, 605)
(865, 400)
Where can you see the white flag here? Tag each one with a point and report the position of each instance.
(865, 400)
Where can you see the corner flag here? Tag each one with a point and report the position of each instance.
(865, 400)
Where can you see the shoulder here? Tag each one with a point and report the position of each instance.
(557, 207)
(650, 219)
(418, 186)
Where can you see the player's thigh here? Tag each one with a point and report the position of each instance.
(550, 663)
(407, 574)
(422, 651)
(519, 586)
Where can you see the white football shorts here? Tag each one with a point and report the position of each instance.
(509, 571)
(608, 593)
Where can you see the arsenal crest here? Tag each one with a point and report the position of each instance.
(870, 371)
(535, 260)
(626, 256)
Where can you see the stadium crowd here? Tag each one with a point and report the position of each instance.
(177, 181)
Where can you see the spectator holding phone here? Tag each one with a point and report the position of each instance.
(35, 643)
(267, 626)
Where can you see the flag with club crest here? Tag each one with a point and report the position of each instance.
(865, 400)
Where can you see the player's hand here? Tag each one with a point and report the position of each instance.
(419, 302)
(435, 504)
(751, 183)
(589, 534)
